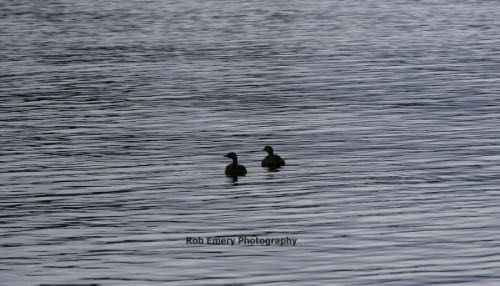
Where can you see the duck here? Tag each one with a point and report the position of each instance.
(233, 169)
(272, 160)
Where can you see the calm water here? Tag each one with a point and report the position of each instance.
(115, 116)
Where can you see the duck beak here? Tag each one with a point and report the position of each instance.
(225, 155)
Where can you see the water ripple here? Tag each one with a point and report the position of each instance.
(116, 116)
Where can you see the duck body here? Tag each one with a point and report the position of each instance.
(234, 169)
(272, 160)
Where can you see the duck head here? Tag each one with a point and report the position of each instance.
(231, 155)
(268, 149)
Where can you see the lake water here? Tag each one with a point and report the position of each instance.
(115, 117)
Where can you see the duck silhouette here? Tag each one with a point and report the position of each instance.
(272, 161)
(234, 170)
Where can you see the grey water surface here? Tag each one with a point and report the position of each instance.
(115, 116)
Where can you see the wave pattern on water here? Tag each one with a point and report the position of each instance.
(116, 116)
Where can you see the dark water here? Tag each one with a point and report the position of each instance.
(115, 116)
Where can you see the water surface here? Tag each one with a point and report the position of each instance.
(115, 116)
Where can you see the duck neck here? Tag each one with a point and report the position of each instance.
(235, 161)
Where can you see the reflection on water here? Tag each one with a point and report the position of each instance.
(115, 116)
